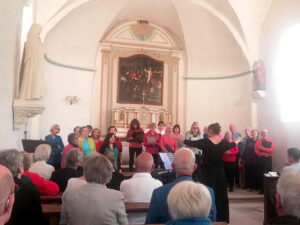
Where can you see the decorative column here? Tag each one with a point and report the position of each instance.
(104, 123)
(175, 75)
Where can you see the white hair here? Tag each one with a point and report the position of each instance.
(184, 159)
(42, 153)
(288, 187)
(189, 199)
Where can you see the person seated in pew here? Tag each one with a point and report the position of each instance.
(27, 207)
(184, 166)
(288, 198)
(93, 203)
(117, 177)
(7, 194)
(293, 155)
(73, 161)
(73, 144)
(45, 187)
(140, 187)
(189, 203)
(40, 157)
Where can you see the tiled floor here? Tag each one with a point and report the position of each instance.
(246, 208)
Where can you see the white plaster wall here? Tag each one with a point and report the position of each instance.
(223, 101)
(59, 83)
(282, 15)
(10, 28)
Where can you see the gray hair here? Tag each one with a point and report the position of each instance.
(189, 199)
(53, 127)
(184, 159)
(98, 169)
(42, 153)
(73, 158)
(288, 187)
(12, 159)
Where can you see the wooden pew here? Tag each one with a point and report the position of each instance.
(136, 207)
(57, 199)
(270, 189)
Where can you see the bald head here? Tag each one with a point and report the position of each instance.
(184, 162)
(6, 186)
(144, 163)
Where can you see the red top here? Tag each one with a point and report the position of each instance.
(98, 144)
(151, 147)
(118, 144)
(232, 156)
(264, 151)
(64, 153)
(134, 143)
(167, 140)
(45, 187)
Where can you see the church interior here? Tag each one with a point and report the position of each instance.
(199, 60)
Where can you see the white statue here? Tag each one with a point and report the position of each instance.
(31, 87)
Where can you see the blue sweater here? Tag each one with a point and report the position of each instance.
(57, 146)
(158, 209)
(190, 221)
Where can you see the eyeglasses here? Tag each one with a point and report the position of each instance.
(7, 202)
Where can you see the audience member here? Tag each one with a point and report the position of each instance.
(293, 155)
(96, 137)
(57, 146)
(93, 203)
(40, 157)
(86, 143)
(135, 138)
(27, 207)
(73, 160)
(176, 133)
(235, 134)
(117, 177)
(151, 142)
(110, 146)
(229, 159)
(167, 142)
(7, 194)
(184, 165)
(45, 187)
(189, 203)
(288, 198)
(73, 144)
(264, 149)
(118, 143)
(161, 128)
(141, 180)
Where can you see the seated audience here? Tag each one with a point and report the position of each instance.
(96, 137)
(86, 143)
(7, 194)
(73, 160)
(40, 157)
(27, 207)
(151, 142)
(229, 158)
(184, 166)
(117, 177)
(57, 146)
(45, 187)
(189, 203)
(288, 198)
(141, 181)
(167, 142)
(93, 203)
(293, 155)
(73, 144)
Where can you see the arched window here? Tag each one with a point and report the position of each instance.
(288, 75)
